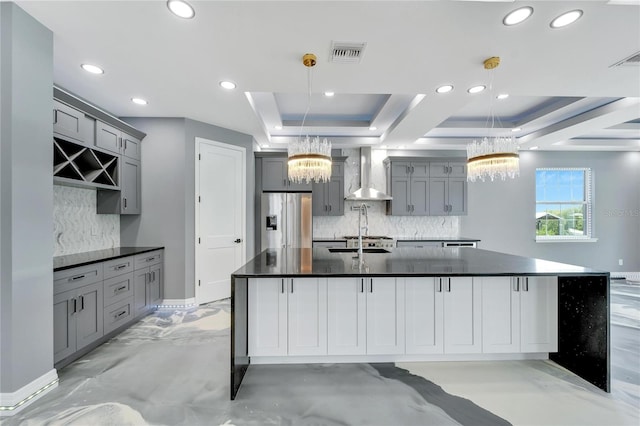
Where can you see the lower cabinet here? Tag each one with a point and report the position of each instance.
(148, 276)
(383, 316)
(519, 314)
(443, 315)
(91, 301)
(77, 319)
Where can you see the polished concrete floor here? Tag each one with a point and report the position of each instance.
(172, 368)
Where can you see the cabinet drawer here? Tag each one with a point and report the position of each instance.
(117, 267)
(118, 314)
(329, 244)
(70, 279)
(118, 288)
(148, 259)
(419, 244)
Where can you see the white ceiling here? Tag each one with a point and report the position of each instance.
(564, 92)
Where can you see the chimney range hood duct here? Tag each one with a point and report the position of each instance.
(366, 192)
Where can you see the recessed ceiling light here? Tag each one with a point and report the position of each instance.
(181, 9)
(278, 127)
(502, 96)
(444, 89)
(229, 85)
(516, 129)
(93, 69)
(139, 101)
(476, 89)
(373, 128)
(534, 148)
(517, 16)
(329, 94)
(566, 19)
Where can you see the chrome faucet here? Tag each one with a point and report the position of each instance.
(362, 210)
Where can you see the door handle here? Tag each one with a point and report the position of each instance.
(125, 202)
(238, 240)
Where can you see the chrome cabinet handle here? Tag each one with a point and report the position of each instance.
(120, 314)
(371, 283)
(117, 268)
(516, 284)
(361, 285)
(82, 303)
(77, 277)
(291, 286)
(74, 305)
(125, 202)
(526, 284)
(282, 286)
(440, 285)
(149, 259)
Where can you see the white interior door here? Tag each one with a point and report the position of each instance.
(220, 217)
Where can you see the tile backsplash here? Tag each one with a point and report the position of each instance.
(379, 222)
(76, 225)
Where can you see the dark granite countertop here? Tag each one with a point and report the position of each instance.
(410, 261)
(86, 258)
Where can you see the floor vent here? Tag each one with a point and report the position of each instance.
(631, 61)
(347, 53)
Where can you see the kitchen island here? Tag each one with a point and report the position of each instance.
(417, 304)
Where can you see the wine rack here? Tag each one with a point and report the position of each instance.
(75, 164)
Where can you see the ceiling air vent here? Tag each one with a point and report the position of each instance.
(631, 61)
(347, 53)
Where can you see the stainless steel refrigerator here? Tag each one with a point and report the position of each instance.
(286, 220)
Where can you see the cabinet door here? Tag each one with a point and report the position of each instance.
(307, 307)
(439, 169)
(131, 146)
(347, 316)
(420, 170)
(64, 325)
(154, 292)
(118, 288)
(400, 169)
(267, 317)
(462, 315)
(108, 137)
(400, 191)
(335, 196)
(438, 196)
(319, 200)
(89, 318)
(457, 169)
(140, 280)
(457, 196)
(68, 121)
(274, 174)
(539, 314)
(424, 316)
(420, 196)
(385, 316)
(500, 314)
(130, 186)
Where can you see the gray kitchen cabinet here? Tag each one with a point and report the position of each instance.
(147, 282)
(275, 176)
(77, 319)
(79, 165)
(128, 199)
(448, 196)
(68, 122)
(450, 169)
(408, 184)
(117, 141)
(330, 244)
(328, 198)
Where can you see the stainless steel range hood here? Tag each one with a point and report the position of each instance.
(366, 192)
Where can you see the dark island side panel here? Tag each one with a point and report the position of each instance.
(584, 328)
(239, 333)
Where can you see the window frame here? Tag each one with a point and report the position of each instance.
(588, 203)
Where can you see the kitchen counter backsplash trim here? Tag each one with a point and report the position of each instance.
(69, 261)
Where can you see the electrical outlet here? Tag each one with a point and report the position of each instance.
(620, 262)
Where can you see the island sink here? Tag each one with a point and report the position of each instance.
(355, 250)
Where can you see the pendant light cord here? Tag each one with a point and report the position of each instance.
(304, 118)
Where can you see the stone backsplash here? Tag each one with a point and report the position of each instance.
(76, 225)
(379, 222)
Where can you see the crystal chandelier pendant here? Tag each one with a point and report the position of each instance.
(496, 157)
(309, 158)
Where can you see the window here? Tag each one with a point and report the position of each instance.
(563, 204)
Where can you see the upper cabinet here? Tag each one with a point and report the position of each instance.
(116, 141)
(96, 150)
(328, 198)
(275, 176)
(426, 187)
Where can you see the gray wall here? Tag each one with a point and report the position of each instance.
(502, 213)
(168, 195)
(26, 204)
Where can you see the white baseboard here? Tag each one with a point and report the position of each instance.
(330, 359)
(13, 402)
(177, 303)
